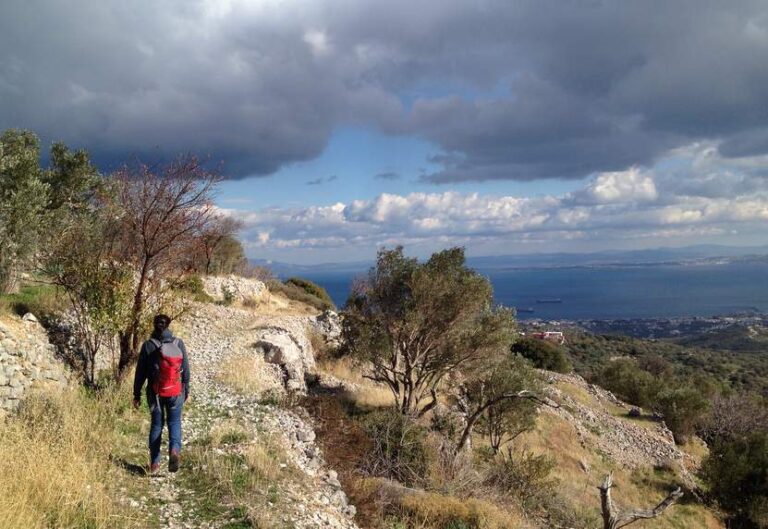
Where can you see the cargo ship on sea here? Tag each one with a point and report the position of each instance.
(549, 300)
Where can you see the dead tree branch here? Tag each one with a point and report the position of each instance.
(615, 519)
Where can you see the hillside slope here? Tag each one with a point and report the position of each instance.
(591, 434)
(254, 457)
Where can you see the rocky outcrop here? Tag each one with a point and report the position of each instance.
(27, 359)
(240, 288)
(605, 425)
(284, 341)
(279, 347)
(328, 324)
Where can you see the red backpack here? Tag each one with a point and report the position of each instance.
(168, 382)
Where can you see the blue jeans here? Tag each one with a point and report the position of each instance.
(168, 411)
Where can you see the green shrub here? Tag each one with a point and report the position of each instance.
(193, 285)
(228, 297)
(41, 300)
(523, 476)
(682, 408)
(736, 472)
(313, 289)
(400, 450)
(625, 378)
(543, 354)
(296, 293)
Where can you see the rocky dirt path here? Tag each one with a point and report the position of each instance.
(310, 497)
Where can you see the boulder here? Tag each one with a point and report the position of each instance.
(279, 347)
(329, 325)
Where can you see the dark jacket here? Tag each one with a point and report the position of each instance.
(149, 364)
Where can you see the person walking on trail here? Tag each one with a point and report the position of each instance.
(163, 364)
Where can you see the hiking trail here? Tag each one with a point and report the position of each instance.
(309, 494)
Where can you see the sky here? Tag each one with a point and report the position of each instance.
(505, 127)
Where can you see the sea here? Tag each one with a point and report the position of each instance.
(628, 292)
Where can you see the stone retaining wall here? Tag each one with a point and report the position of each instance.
(26, 359)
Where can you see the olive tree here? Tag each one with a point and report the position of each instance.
(507, 413)
(416, 323)
(735, 470)
(36, 203)
(23, 200)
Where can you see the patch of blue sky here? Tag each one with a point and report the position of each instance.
(365, 164)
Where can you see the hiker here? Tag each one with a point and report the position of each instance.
(163, 363)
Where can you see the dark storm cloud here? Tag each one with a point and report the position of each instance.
(539, 88)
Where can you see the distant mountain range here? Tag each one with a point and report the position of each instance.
(699, 254)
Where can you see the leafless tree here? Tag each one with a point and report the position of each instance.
(616, 519)
(211, 239)
(165, 210)
(732, 417)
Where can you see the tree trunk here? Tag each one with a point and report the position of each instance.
(126, 357)
(88, 368)
(10, 283)
(129, 339)
(466, 435)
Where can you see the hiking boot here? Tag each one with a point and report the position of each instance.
(153, 468)
(173, 461)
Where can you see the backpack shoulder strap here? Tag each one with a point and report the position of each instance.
(176, 343)
(158, 343)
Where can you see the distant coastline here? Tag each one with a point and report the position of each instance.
(684, 256)
(678, 290)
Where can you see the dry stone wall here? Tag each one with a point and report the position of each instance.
(27, 359)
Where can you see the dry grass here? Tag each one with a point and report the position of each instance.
(453, 474)
(226, 433)
(557, 438)
(367, 394)
(436, 511)
(240, 472)
(695, 447)
(320, 347)
(276, 304)
(579, 394)
(54, 462)
(264, 461)
(246, 477)
(247, 374)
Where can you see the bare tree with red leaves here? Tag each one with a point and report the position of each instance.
(165, 211)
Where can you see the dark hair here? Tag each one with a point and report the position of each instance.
(162, 317)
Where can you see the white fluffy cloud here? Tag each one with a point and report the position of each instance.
(674, 200)
(632, 185)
